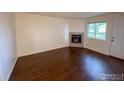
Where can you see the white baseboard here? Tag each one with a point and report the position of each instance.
(42, 51)
(11, 70)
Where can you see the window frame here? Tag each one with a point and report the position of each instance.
(95, 30)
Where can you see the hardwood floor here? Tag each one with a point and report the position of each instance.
(68, 64)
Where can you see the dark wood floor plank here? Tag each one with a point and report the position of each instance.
(68, 63)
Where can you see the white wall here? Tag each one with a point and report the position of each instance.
(100, 45)
(36, 33)
(77, 25)
(7, 45)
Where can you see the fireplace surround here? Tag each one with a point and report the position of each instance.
(76, 39)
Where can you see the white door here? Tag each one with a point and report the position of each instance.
(117, 45)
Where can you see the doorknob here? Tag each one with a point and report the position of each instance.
(112, 39)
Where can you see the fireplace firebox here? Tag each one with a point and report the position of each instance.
(76, 39)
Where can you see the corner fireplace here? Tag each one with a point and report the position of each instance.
(76, 39)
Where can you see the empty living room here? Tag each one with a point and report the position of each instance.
(61, 46)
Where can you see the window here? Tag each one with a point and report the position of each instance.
(97, 30)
